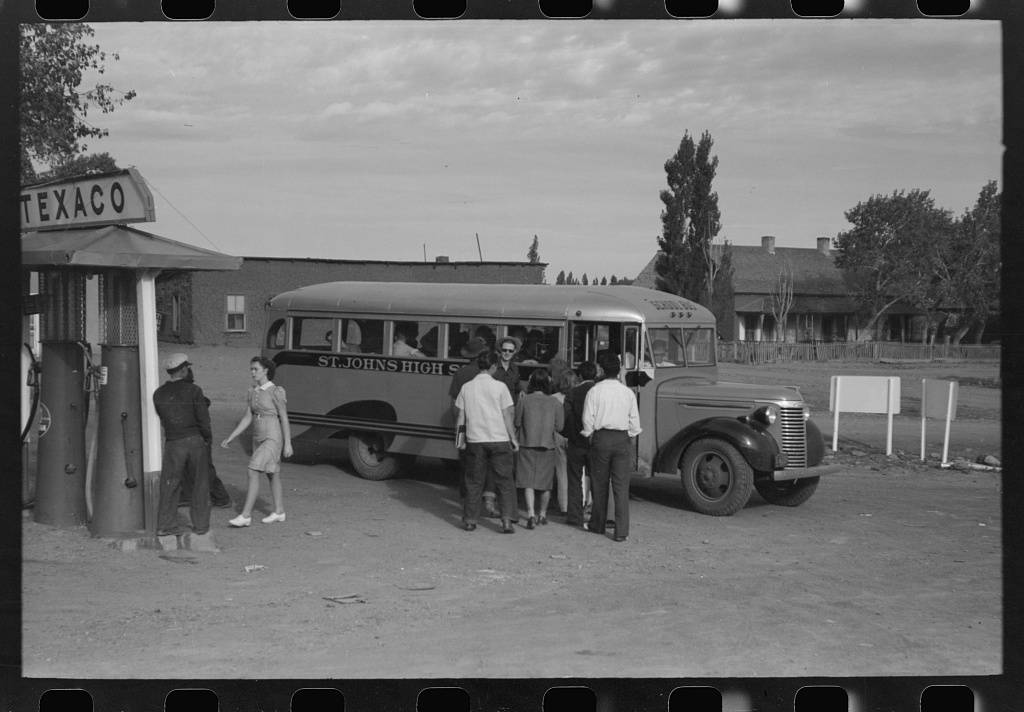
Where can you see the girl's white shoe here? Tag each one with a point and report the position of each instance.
(273, 517)
(240, 521)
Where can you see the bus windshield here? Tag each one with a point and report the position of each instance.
(679, 346)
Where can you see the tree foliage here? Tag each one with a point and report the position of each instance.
(690, 221)
(533, 254)
(560, 279)
(973, 262)
(86, 164)
(53, 110)
(722, 296)
(893, 252)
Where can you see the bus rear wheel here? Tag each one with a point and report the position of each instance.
(787, 494)
(716, 478)
(369, 456)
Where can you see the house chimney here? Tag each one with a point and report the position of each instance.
(825, 245)
(768, 243)
(441, 258)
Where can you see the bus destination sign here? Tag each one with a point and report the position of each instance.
(360, 362)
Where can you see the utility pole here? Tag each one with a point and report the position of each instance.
(479, 251)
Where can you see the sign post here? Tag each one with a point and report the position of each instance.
(938, 400)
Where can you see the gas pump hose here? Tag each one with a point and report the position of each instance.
(33, 381)
(91, 384)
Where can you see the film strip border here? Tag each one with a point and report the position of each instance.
(84, 10)
(514, 695)
(940, 693)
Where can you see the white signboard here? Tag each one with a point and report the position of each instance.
(864, 394)
(106, 199)
(938, 400)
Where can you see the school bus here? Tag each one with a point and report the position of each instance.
(367, 366)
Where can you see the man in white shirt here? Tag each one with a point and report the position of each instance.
(610, 419)
(401, 347)
(485, 409)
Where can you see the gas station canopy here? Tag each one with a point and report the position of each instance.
(118, 246)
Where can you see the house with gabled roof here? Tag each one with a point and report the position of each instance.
(822, 308)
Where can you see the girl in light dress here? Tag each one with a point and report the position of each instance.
(271, 438)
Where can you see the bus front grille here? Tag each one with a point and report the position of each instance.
(794, 436)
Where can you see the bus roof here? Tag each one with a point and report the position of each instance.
(483, 301)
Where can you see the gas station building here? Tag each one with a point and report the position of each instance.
(89, 279)
(200, 307)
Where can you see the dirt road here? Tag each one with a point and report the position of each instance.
(892, 568)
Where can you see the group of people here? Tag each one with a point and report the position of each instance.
(187, 465)
(560, 428)
(516, 439)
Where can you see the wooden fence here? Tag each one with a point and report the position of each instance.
(773, 351)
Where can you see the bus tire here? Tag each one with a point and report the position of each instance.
(716, 479)
(792, 493)
(369, 456)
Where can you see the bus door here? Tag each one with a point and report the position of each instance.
(588, 339)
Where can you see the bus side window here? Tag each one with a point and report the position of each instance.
(415, 338)
(372, 334)
(276, 334)
(312, 333)
(460, 334)
(538, 344)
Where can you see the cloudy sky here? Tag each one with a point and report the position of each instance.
(369, 140)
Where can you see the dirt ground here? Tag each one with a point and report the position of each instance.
(892, 568)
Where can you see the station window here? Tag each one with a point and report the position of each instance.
(236, 312)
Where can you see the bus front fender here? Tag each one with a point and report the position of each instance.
(756, 445)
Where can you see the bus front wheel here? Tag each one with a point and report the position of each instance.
(716, 478)
(369, 456)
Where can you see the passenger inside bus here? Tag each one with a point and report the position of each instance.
(405, 333)
(660, 349)
(538, 346)
(428, 342)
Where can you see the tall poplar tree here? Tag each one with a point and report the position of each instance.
(533, 254)
(690, 221)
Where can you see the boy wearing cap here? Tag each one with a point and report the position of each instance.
(185, 418)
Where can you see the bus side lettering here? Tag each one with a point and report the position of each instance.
(393, 365)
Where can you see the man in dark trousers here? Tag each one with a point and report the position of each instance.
(185, 417)
(473, 348)
(484, 406)
(576, 447)
(219, 496)
(611, 420)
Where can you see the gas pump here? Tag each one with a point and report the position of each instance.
(118, 504)
(63, 400)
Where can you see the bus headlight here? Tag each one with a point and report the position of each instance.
(767, 414)
(807, 413)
